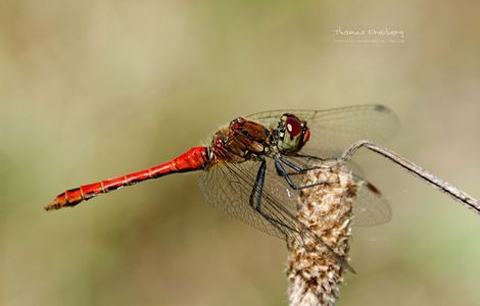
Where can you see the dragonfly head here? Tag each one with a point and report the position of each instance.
(292, 134)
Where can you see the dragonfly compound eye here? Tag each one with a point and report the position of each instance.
(292, 133)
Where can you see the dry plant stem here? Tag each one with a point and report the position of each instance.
(314, 275)
(457, 194)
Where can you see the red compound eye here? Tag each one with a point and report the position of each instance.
(293, 126)
(306, 135)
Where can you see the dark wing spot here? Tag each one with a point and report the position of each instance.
(382, 108)
(373, 189)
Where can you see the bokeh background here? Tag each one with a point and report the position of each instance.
(93, 89)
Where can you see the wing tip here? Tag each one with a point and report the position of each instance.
(373, 189)
(382, 108)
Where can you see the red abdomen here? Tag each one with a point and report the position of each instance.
(194, 159)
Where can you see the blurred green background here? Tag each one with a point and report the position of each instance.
(93, 89)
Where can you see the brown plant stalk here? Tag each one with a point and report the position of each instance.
(314, 275)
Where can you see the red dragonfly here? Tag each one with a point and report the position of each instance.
(253, 167)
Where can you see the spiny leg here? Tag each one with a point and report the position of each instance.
(310, 157)
(296, 168)
(281, 171)
(255, 200)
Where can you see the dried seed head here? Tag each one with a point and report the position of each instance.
(314, 274)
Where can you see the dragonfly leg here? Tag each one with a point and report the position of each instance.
(298, 169)
(310, 157)
(255, 201)
(283, 173)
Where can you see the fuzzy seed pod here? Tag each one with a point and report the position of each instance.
(315, 275)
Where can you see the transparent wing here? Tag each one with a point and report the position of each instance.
(333, 130)
(369, 209)
(228, 187)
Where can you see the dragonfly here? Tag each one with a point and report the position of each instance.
(253, 167)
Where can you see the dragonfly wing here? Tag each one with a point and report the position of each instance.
(370, 207)
(228, 186)
(334, 130)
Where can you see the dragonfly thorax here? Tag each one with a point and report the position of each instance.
(242, 140)
(246, 140)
